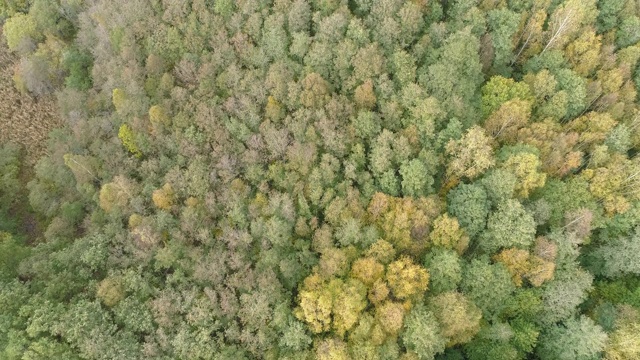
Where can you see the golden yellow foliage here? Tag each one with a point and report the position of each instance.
(505, 122)
(448, 234)
(522, 265)
(470, 156)
(115, 194)
(556, 146)
(333, 262)
(382, 251)
(516, 261)
(378, 292)
(539, 271)
(624, 341)
(332, 304)
(349, 302)
(592, 127)
(118, 98)
(332, 349)
(364, 95)
(273, 110)
(126, 135)
(404, 221)
(367, 270)
(158, 116)
(315, 91)
(164, 198)
(584, 52)
(525, 167)
(110, 291)
(406, 279)
(134, 220)
(315, 305)
(390, 316)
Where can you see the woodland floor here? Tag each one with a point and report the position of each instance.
(24, 120)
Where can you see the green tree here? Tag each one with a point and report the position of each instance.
(12, 252)
(78, 64)
(499, 185)
(458, 60)
(503, 24)
(574, 339)
(9, 180)
(576, 89)
(459, 318)
(563, 294)
(445, 270)
(10, 7)
(416, 180)
(469, 203)
(609, 14)
(493, 342)
(487, 285)
(509, 226)
(617, 257)
(421, 333)
(627, 33)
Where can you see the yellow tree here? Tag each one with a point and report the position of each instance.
(348, 304)
(315, 91)
(531, 35)
(116, 194)
(126, 135)
(558, 152)
(566, 20)
(390, 316)
(331, 304)
(471, 155)
(406, 279)
(110, 291)
(525, 166)
(615, 184)
(332, 349)
(448, 234)
(624, 341)
(364, 95)
(522, 265)
(505, 122)
(164, 198)
(404, 222)
(592, 128)
(315, 304)
(583, 53)
(20, 29)
(158, 116)
(382, 251)
(367, 270)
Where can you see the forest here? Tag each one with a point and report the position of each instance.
(320, 179)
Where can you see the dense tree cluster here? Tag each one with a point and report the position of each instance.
(326, 179)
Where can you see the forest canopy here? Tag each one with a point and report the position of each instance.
(324, 179)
